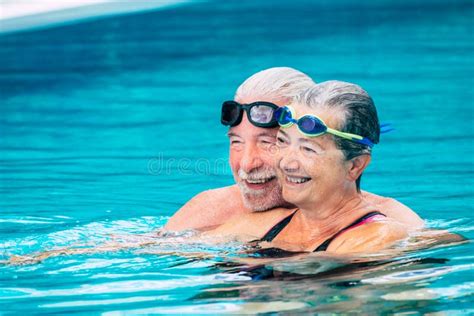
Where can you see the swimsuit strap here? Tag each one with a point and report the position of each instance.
(366, 218)
(275, 230)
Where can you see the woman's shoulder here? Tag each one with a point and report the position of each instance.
(370, 237)
(394, 209)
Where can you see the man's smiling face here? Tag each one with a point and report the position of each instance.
(252, 152)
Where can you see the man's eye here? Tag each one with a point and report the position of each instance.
(235, 142)
(280, 140)
(309, 150)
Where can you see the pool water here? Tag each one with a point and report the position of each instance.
(108, 126)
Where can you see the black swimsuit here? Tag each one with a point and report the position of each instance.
(272, 233)
(262, 272)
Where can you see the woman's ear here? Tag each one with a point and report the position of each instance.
(357, 166)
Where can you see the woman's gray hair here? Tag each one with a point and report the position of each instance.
(358, 114)
(277, 83)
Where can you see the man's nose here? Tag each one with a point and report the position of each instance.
(251, 158)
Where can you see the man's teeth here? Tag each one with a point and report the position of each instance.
(297, 180)
(259, 181)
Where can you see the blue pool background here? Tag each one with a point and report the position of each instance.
(108, 126)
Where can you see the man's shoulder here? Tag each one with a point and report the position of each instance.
(225, 197)
(207, 209)
(218, 194)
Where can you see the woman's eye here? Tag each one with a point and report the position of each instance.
(280, 140)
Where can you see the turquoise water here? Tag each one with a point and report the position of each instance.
(108, 126)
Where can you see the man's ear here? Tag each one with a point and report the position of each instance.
(357, 165)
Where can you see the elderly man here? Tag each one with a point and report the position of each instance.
(252, 141)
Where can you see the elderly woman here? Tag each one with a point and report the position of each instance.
(323, 146)
(325, 143)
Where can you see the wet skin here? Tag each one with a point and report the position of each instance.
(251, 150)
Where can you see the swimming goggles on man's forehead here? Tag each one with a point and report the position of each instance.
(259, 113)
(312, 126)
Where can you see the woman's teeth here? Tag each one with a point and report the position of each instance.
(297, 180)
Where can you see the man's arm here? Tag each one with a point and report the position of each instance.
(207, 210)
(249, 226)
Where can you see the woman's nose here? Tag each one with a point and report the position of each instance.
(289, 162)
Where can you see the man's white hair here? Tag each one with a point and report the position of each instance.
(283, 83)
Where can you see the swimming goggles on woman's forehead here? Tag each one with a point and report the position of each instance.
(312, 126)
(259, 113)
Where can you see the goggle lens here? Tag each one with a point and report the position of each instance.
(230, 113)
(283, 116)
(262, 114)
(311, 125)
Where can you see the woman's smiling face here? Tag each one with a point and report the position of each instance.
(311, 169)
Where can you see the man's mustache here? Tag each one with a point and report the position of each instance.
(257, 174)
